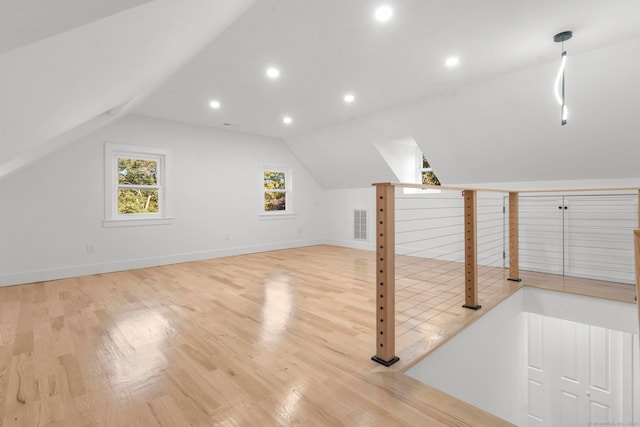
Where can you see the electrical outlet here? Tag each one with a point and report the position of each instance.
(226, 236)
(90, 248)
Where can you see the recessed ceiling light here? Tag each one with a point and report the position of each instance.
(273, 73)
(349, 98)
(287, 120)
(214, 104)
(452, 61)
(384, 13)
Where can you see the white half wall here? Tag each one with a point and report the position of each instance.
(460, 367)
(53, 208)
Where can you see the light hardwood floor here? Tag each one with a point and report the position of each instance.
(277, 338)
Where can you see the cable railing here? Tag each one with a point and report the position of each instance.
(579, 235)
(438, 249)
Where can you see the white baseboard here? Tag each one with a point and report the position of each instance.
(132, 264)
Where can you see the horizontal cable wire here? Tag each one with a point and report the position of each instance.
(431, 238)
(590, 230)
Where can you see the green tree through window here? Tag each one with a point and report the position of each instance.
(428, 177)
(137, 186)
(275, 191)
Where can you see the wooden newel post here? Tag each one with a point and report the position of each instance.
(385, 276)
(514, 243)
(470, 251)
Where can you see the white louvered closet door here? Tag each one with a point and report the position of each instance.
(598, 236)
(579, 235)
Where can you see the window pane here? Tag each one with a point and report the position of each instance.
(274, 180)
(275, 201)
(428, 176)
(137, 172)
(425, 163)
(137, 201)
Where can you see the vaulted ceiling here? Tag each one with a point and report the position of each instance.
(491, 118)
(326, 48)
(92, 64)
(23, 22)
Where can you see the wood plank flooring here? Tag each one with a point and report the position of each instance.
(429, 299)
(574, 285)
(278, 338)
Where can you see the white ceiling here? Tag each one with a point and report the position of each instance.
(326, 48)
(70, 66)
(506, 129)
(56, 89)
(23, 22)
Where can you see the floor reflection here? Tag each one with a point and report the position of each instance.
(278, 307)
(134, 347)
(289, 406)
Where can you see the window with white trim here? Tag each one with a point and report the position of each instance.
(135, 185)
(277, 194)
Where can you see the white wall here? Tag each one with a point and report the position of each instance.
(338, 212)
(487, 364)
(53, 208)
(460, 366)
(423, 234)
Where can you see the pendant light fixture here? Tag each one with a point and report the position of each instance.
(559, 85)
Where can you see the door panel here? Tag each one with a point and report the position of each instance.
(577, 373)
(536, 402)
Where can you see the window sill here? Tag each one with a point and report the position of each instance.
(137, 222)
(276, 215)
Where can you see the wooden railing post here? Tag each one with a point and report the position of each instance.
(514, 243)
(470, 251)
(385, 276)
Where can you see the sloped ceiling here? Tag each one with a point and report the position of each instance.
(57, 88)
(491, 119)
(501, 130)
(23, 22)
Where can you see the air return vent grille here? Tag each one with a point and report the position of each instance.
(360, 224)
